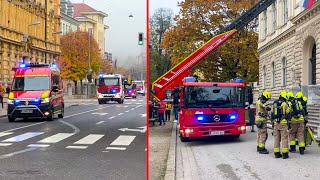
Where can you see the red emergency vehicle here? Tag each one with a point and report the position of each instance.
(212, 109)
(36, 92)
(131, 90)
(111, 88)
(141, 89)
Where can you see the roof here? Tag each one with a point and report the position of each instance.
(230, 84)
(81, 7)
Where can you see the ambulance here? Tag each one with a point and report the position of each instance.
(36, 92)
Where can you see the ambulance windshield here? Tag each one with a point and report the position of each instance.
(31, 83)
(109, 82)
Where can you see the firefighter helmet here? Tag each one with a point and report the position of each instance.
(299, 95)
(305, 99)
(195, 74)
(266, 94)
(283, 94)
(290, 95)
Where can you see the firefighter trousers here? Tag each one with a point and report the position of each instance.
(297, 131)
(262, 136)
(280, 134)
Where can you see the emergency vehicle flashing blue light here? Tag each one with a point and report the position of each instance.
(238, 80)
(100, 75)
(114, 90)
(233, 117)
(36, 100)
(17, 101)
(200, 118)
(54, 65)
(22, 65)
(129, 91)
(190, 79)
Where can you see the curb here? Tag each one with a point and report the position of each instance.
(171, 163)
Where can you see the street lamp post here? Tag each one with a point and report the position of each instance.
(89, 77)
(55, 42)
(26, 38)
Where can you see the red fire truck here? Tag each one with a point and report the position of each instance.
(111, 88)
(217, 108)
(131, 90)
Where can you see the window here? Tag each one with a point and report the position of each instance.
(56, 81)
(284, 71)
(264, 77)
(273, 74)
(265, 24)
(274, 7)
(285, 11)
(313, 68)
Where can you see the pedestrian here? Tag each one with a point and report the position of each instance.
(161, 111)
(176, 98)
(168, 111)
(261, 122)
(298, 123)
(280, 123)
(2, 93)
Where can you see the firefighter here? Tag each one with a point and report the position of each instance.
(281, 126)
(261, 122)
(196, 76)
(297, 127)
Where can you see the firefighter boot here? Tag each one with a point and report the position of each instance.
(301, 149)
(263, 151)
(292, 148)
(285, 156)
(277, 155)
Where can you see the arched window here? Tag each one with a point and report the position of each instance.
(264, 77)
(273, 74)
(313, 63)
(284, 71)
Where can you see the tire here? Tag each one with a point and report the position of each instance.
(11, 119)
(100, 102)
(50, 118)
(236, 136)
(184, 139)
(62, 113)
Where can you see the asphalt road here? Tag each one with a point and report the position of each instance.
(221, 158)
(93, 141)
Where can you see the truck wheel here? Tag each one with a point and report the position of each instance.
(62, 113)
(11, 119)
(184, 139)
(100, 102)
(236, 136)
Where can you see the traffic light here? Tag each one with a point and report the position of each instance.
(89, 77)
(140, 42)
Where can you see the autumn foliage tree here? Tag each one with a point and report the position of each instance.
(198, 22)
(74, 58)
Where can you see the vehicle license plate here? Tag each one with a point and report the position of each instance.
(215, 133)
(26, 111)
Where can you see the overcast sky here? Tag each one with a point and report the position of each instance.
(122, 35)
(155, 4)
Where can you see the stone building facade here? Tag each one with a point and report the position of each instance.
(27, 31)
(289, 52)
(68, 22)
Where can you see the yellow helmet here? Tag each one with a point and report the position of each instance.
(283, 94)
(305, 99)
(290, 95)
(195, 74)
(266, 94)
(299, 95)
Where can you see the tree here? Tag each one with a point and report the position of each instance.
(198, 22)
(160, 21)
(74, 58)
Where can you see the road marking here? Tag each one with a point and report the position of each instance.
(100, 122)
(143, 115)
(133, 100)
(56, 138)
(101, 114)
(128, 103)
(112, 117)
(132, 109)
(140, 100)
(90, 139)
(45, 122)
(38, 145)
(5, 144)
(23, 137)
(127, 111)
(15, 153)
(120, 114)
(138, 103)
(116, 148)
(125, 106)
(76, 147)
(134, 130)
(5, 133)
(123, 140)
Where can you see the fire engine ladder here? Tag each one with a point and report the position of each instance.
(174, 77)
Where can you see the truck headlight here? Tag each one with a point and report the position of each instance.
(9, 101)
(45, 100)
(117, 95)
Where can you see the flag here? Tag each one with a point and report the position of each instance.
(308, 3)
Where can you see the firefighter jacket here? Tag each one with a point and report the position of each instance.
(262, 113)
(300, 118)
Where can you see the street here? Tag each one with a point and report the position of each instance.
(225, 158)
(92, 141)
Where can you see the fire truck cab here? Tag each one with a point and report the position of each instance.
(130, 90)
(111, 88)
(141, 89)
(211, 109)
(36, 92)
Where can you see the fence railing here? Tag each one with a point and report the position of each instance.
(84, 90)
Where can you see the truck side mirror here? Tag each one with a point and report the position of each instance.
(55, 88)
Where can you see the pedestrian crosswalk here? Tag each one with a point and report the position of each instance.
(122, 142)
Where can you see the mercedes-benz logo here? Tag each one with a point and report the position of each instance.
(26, 103)
(216, 118)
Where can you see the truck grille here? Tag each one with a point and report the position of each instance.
(26, 102)
(216, 118)
(108, 92)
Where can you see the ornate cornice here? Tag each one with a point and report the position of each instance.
(307, 14)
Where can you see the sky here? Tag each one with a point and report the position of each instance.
(155, 4)
(122, 35)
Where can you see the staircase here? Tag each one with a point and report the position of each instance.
(314, 118)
